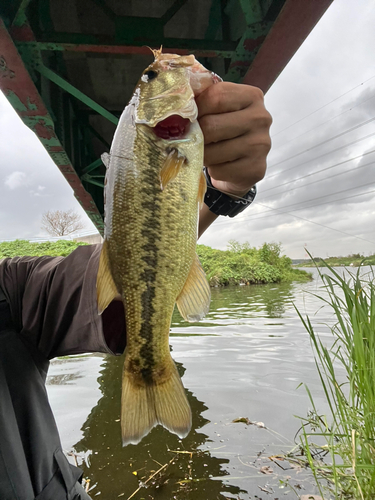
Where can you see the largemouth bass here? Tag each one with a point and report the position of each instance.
(153, 187)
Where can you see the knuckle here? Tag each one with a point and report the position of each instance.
(257, 93)
(208, 124)
(217, 95)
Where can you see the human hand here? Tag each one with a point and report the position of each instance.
(235, 125)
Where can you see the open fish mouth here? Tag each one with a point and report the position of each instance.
(173, 127)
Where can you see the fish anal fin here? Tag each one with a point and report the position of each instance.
(149, 403)
(171, 167)
(194, 299)
(106, 289)
(202, 189)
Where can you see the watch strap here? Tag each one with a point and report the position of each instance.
(221, 204)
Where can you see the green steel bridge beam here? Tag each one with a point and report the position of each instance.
(68, 87)
(18, 87)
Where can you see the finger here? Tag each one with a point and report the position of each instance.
(226, 126)
(217, 128)
(234, 149)
(225, 97)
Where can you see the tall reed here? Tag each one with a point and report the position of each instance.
(343, 457)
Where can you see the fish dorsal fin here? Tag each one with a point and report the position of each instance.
(202, 189)
(194, 300)
(106, 159)
(171, 167)
(106, 289)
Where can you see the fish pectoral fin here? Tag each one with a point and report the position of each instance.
(171, 167)
(106, 159)
(194, 300)
(106, 289)
(202, 189)
(146, 404)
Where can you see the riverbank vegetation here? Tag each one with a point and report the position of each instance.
(21, 248)
(240, 263)
(340, 448)
(243, 264)
(353, 260)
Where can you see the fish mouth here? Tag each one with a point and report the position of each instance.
(174, 127)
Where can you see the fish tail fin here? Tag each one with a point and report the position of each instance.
(148, 403)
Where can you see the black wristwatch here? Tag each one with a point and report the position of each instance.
(221, 204)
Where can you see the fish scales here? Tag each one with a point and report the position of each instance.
(153, 187)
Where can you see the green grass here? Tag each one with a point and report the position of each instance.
(20, 248)
(341, 449)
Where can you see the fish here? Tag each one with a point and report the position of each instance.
(154, 186)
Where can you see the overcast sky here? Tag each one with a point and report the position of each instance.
(319, 191)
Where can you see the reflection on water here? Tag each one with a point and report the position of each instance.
(109, 463)
(245, 360)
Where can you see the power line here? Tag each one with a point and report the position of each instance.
(324, 154)
(324, 106)
(319, 180)
(267, 214)
(324, 142)
(322, 170)
(307, 220)
(325, 196)
(318, 224)
(322, 123)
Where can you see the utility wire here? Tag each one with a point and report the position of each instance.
(267, 214)
(324, 142)
(324, 154)
(304, 219)
(317, 224)
(322, 170)
(319, 180)
(321, 124)
(325, 196)
(324, 106)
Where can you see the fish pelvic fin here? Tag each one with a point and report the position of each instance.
(171, 167)
(106, 289)
(194, 299)
(146, 404)
(106, 158)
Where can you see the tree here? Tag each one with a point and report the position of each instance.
(61, 222)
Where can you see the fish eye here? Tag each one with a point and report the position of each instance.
(151, 74)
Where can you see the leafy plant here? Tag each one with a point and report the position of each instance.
(242, 263)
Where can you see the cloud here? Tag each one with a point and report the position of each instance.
(15, 180)
(316, 193)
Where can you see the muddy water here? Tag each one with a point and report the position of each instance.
(246, 360)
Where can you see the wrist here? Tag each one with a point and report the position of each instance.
(227, 203)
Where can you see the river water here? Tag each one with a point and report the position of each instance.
(245, 360)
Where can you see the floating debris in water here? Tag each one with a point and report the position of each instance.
(246, 421)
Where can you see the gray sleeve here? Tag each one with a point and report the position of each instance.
(53, 301)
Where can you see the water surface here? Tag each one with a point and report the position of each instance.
(245, 360)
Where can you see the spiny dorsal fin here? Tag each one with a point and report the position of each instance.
(194, 300)
(105, 287)
(171, 167)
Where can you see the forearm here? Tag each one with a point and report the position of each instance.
(206, 218)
